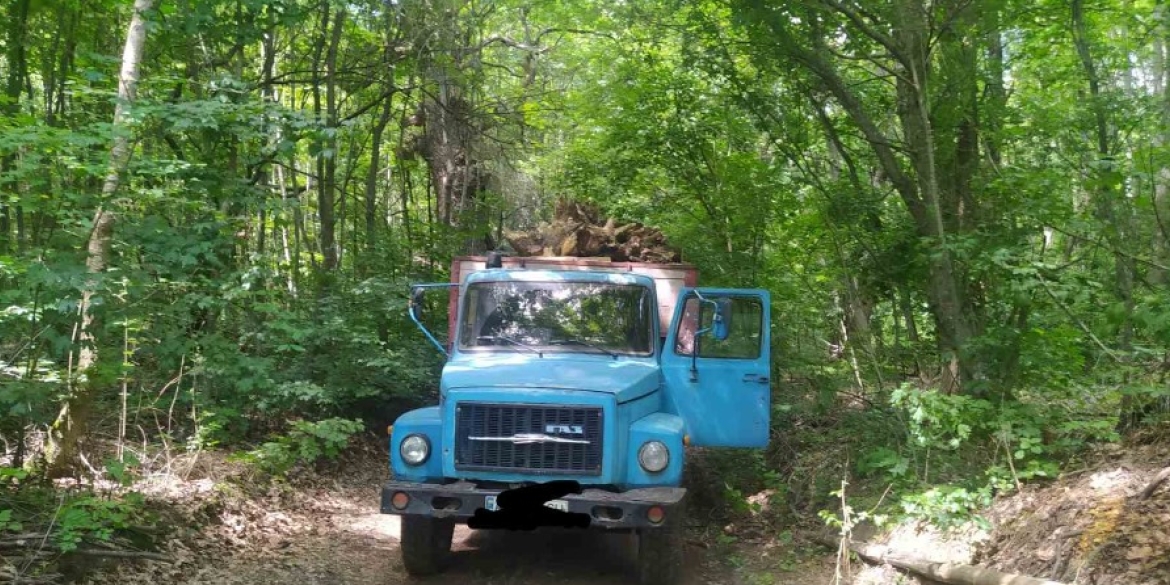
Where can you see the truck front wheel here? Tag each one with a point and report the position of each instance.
(660, 554)
(426, 544)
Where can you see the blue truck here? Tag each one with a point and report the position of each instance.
(584, 378)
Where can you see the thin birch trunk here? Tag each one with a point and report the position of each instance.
(72, 422)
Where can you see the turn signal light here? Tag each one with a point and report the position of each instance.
(686, 440)
(656, 515)
(400, 501)
(390, 430)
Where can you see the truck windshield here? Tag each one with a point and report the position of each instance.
(583, 317)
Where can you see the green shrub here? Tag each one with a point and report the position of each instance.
(305, 444)
(972, 448)
(947, 506)
(91, 517)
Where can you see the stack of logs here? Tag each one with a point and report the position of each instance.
(577, 230)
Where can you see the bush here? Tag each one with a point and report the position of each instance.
(972, 448)
(97, 518)
(305, 444)
(71, 518)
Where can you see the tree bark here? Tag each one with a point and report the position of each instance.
(324, 198)
(17, 63)
(72, 422)
(914, 112)
(327, 187)
(1152, 487)
(996, 93)
(1161, 242)
(1117, 223)
(372, 175)
(268, 96)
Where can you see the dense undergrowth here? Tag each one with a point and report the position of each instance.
(919, 456)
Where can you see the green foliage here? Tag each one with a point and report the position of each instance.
(305, 443)
(70, 519)
(947, 506)
(7, 524)
(938, 420)
(97, 518)
(958, 451)
(122, 471)
(11, 476)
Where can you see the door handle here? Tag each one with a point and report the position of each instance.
(755, 378)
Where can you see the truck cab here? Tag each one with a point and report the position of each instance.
(568, 397)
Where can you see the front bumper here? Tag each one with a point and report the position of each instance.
(607, 510)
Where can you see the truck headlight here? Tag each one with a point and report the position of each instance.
(414, 449)
(653, 456)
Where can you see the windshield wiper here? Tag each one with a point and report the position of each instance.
(579, 341)
(514, 342)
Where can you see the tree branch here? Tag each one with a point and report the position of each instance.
(1154, 483)
(868, 30)
(512, 43)
(1107, 247)
(850, 102)
(1079, 323)
(373, 104)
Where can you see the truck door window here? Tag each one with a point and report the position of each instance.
(744, 340)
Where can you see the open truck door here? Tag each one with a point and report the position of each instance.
(716, 364)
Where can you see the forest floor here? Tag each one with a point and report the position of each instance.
(1090, 526)
(325, 528)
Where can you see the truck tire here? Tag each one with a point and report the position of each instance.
(426, 544)
(660, 553)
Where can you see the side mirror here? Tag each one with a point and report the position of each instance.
(415, 307)
(721, 321)
(416, 300)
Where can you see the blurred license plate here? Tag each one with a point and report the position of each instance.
(489, 504)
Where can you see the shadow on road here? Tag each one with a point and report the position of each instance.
(543, 555)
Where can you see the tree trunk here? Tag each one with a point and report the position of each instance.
(328, 185)
(1117, 225)
(268, 97)
(17, 63)
(993, 113)
(1161, 206)
(372, 175)
(945, 293)
(324, 198)
(73, 420)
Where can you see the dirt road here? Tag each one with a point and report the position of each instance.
(342, 539)
(333, 534)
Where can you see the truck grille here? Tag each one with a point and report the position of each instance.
(539, 439)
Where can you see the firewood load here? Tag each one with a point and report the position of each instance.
(577, 230)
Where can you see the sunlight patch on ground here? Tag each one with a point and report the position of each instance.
(462, 536)
(920, 539)
(380, 526)
(389, 526)
(1109, 479)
